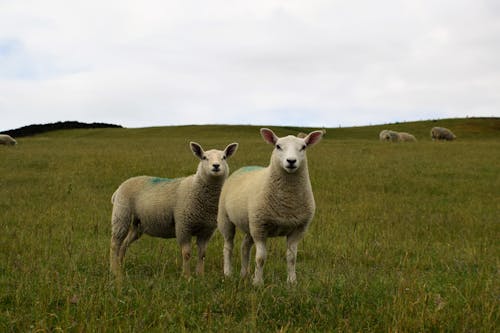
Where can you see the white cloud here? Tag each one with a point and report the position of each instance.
(320, 63)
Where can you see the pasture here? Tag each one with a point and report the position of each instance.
(405, 237)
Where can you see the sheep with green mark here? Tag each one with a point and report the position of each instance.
(271, 201)
(179, 208)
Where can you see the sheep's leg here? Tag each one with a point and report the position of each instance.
(260, 259)
(246, 246)
(228, 232)
(186, 256)
(202, 243)
(113, 255)
(291, 254)
(132, 236)
(119, 230)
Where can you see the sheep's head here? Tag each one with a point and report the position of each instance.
(290, 151)
(213, 162)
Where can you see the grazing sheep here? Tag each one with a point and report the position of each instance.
(168, 208)
(441, 133)
(388, 135)
(7, 140)
(403, 136)
(268, 202)
(393, 136)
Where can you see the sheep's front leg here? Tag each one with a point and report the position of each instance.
(202, 243)
(292, 241)
(246, 246)
(186, 255)
(260, 260)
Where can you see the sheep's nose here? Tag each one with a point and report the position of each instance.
(216, 166)
(291, 161)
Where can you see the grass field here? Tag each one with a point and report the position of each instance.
(406, 237)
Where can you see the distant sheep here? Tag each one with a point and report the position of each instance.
(403, 136)
(268, 202)
(7, 140)
(388, 135)
(168, 208)
(441, 133)
(393, 136)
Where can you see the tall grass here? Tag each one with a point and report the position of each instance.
(405, 236)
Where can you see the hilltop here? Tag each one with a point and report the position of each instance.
(464, 128)
(60, 125)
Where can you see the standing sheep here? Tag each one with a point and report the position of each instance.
(441, 133)
(168, 208)
(7, 140)
(268, 202)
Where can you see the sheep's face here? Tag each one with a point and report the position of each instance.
(290, 151)
(213, 163)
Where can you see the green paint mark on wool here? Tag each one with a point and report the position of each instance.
(158, 180)
(250, 168)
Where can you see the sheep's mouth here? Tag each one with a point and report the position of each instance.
(291, 168)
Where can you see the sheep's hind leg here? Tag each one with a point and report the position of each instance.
(133, 235)
(246, 246)
(228, 232)
(119, 231)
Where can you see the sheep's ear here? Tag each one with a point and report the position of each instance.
(313, 138)
(268, 136)
(197, 150)
(231, 149)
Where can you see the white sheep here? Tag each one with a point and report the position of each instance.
(393, 136)
(388, 135)
(268, 202)
(441, 133)
(7, 140)
(162, 207)
(403, 136)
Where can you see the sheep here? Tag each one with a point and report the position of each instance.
(271, 201)
(170, 208)
(441, 133)
(7, 140)
(403, 136)
(393, 136)
(388, 135)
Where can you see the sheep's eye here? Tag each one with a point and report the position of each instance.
(303, 147)
(278, 147)
(224, 157)
(204, 157)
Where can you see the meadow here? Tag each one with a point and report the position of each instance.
(405, 236)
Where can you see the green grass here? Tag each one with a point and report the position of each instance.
(405, 237)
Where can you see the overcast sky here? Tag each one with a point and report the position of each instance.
(272, 62)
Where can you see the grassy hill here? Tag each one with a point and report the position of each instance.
(405, 236)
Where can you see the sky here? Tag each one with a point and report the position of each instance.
(262, 62)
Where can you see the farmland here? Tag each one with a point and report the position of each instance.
(405, 237)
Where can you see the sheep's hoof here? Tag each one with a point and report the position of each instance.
(258, 282)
